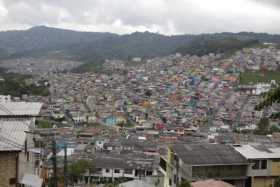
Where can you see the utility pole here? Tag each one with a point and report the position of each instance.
(54, 163)
(65, 166)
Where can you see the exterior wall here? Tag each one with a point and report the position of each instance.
(26, 164)
(111, 173)
(260, 172)
(222, 172)
(8, 168)
(275, 168)
(262, 182)
(185, 171)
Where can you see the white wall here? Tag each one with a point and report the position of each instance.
(260, 172)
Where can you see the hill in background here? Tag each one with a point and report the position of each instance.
(94, 47)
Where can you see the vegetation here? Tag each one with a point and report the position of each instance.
(125, 124)
(273, 96)
(263, 127)
(78, 168)
(184, 184)
(93, 47)
(95, 67)
(253, 77)
(16, 85)
(205, 45)
(274, 129)
(43, 124)
(275, 115)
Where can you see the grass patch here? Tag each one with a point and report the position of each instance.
(43, 124)
(253, 77)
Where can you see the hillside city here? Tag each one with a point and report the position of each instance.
(159, 122)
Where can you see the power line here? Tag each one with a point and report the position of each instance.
(54, 181)
(65, 166)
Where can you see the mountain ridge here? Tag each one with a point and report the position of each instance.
(93, 46)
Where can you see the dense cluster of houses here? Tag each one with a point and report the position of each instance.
(159, 123)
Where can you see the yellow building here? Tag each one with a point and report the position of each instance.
(9, 164)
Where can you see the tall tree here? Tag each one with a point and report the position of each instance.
(273, 96)
(78, 168)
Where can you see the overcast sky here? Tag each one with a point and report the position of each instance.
(126, 16)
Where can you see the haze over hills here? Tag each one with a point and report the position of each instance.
(92, 46)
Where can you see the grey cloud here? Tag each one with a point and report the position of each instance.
(165, 16)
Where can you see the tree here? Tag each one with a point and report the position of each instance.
(263, 126)
(274, 129)
(184, 184)
(79, 167)
(43, 124)
(273, 96)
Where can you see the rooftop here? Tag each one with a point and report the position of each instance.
(258, 151)
(20, 108)
(6, 146)
(14, 130)
(208, 154)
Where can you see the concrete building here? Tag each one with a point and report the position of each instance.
(16, 118)
(125, 167)
(9, 164)
(264, 166)
(196, 162)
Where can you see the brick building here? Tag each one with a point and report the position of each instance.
(9, 163)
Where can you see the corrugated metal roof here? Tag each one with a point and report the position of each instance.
(12, 134)
(5, 146)
(208, 154)
(20, 108)
(14, 130)
(258, 152)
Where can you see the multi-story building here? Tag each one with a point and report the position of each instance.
(9, 164)
(16, 118)
(201, 162)
(264, 168)
(122, 168)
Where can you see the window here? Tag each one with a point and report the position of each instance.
(162, 164)
(259, 164)
(13, 181)
(149, 173)
(116, 171)
(128, 171)
(256, 164)
(107, 170)
(264, 164)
